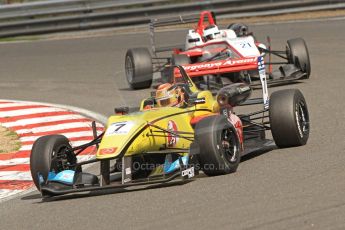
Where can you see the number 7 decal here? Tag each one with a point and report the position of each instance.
(119, 128)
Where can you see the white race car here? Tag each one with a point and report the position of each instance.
(212, 56)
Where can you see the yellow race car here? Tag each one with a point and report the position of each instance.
(178, 131)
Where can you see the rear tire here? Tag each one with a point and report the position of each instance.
(297, 53)
(219, 146)
(289, 118)
(43, 151)
(138, 68)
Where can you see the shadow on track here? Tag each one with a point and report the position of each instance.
(258, 153)
(100, 193)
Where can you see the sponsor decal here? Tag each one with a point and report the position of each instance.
(263, 79)
(219, 64)
(172, 139)
(188, 172)
(236, 121)
(107, 151)
(261, 64)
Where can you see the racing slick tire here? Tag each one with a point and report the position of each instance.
(289, 118)
(42, 154)
(297, 53)
(176, 59)
(219, 146)
(139, 68)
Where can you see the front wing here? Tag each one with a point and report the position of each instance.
(57, 189)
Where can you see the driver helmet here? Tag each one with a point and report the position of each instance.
(168, 95)
(211, 32)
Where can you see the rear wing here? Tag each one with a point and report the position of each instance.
(226, 66)
(220, 67)
(204, 18)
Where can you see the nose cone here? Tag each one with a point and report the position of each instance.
(118, 136)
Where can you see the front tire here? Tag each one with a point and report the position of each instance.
(219, 146)
(44, 157)
(289, 118)
(297, 53)
(139, 68)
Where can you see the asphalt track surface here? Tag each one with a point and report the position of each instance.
(296, 188)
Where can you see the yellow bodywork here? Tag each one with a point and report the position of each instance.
(139, 132)
(145, 131)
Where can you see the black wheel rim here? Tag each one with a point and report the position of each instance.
(228, 143)
(129, 69)
(62, 159)
(302, 118)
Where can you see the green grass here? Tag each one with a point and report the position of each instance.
(20, 38)
(10, 139)
(11, 134)
(18, 146)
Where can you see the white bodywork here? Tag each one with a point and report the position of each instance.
(244, 45)
(228, 33)
(193, 39)
(263, 79)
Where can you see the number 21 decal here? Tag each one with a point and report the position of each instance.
(245, 45)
